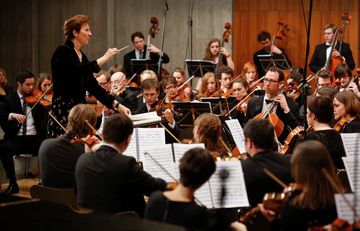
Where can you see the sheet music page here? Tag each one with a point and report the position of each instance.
(237, 134)
(131, 150)
(180, 149)
(203, 196)
(236, 195)
(342, 208)
(149, 137)
(352, 166)
(351, 143)
(163, 166)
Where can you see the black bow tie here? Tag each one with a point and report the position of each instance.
(327, 46)
(267, 101)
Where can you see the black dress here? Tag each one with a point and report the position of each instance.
(187, 214)
(72, 79)
(352, 127)
(331, 139)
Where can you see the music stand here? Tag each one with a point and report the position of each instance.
(139, 65)
(199, 68)
(269, 60)
(218, 104)
(190, 111)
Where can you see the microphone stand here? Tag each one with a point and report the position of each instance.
(162, 40)
(304, 81)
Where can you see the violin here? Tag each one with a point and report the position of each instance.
(291, 140)
(90, 141)
(37, 96)
(340, 124)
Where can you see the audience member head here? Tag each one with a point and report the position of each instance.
(259, 135)
(118, 129)
(77, 118)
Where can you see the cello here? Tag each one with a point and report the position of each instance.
(226, 36)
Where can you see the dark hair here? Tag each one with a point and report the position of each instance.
(279, 71)
(42, 77)
(77, 119)
(260, 132)
(322, 107)
(74, 23)
(350, 101)
(328, 91)
(342, 70)
(224, 69)
(167, 81)
(196, 167)
(296, 76)
(243, 82)
(325, 74)
(24, 74)
(263, 35)
(117, 128)
(137, 34)
(150, 83)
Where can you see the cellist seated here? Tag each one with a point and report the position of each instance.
(283, 107)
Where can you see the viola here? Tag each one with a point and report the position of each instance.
(37, 96)
(340, 124)
(291, 140)
(90, 141)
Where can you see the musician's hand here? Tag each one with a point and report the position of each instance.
(268, 214)
(276, 50)
(111, 52)
(237, 226)
(224, 52)
(123, 110)
(282, 102)
(153, 49)
(169, 116)
(354, 88)
(20, 118)
(336, 54)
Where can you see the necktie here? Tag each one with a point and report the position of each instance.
(267, 101)
(24, 106)
(140, 54)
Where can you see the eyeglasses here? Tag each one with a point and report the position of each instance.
(103, 83)
(271, 81)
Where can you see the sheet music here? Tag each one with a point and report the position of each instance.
(149, 137)
(351, 143)
(237, 134)
(342, 208)
(236, 195)
(180, 149)
(350, 164)
(164, 157)
(143, 116)
(131, 150)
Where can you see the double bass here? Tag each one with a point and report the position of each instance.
(225, 39)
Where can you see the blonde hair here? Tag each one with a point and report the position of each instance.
(203, 88)
(77, 117)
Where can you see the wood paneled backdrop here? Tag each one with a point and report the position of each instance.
(252, 16)
(31, 29)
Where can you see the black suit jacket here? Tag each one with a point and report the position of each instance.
(131, 55)
(289, 119)
(257, 182)
(257, 62)
(318, 58)
(168, 138)
(112, 182)
(12, 104)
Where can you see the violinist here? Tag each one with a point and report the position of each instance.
(259, 141)
(150, 90)
(107, 180)
(345, 79)
(22, 126)
(139, 52)
(120, 92)
(347, 108)
(4, 87)
(322, 51)
(212, 53)
(185, 92)
(315, 204)
(178, 206)
(319, 115)
(58, 156)
(169, 86)
(209, 85)
(208, 130)
(240, 91)
(264, 39)
(293, 83)
(225, 76)
(286, 109)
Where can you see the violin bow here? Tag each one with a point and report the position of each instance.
(54, 118)
(93, 129)
(182, 85)
(170, 133)
(37, 101)
(241, 102)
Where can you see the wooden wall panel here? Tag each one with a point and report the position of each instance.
(252, 16)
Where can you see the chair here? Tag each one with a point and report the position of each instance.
(27, 158)
(64, 196)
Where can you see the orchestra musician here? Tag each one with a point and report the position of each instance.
(107, 180)
(213, 51)
(169, 86)
(225, 76)
(347, 107)
(259, 140)
(314, 205)
(286, 110)
(208, 130)
(150, 90)
(4, 87)
(249, 72)
(58, 156)
(293, 82)
(209, 86)
(264, 39)
(178, 206)
(139, 52)
(72, 73)
(322, 51)
(343, 78)
(240, 91)
(319, 115)
(186, 91)
(121, 92)
(22, 126)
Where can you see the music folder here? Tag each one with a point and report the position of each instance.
(199, 68)
(190, 111)
(139, 65)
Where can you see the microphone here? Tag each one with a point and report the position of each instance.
(224, 174)
(166, 5)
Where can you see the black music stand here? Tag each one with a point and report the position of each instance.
(190, 111)
(269, 60)
(199, 68)
(139, 65)
(218, 104)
